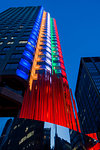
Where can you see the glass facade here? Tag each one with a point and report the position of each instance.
(15, 28)
(88, 94)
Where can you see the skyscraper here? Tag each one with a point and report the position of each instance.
(61, 144)
(32, 66)
(24, 134)
(88, 94)
(16, 28)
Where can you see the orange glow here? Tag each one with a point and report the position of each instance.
(33, 75)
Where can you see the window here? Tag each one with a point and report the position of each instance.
(1, 43)
(15, 127)
(11, 66)
(10, 30)
(6, 48)
(21, 26)
(10, 42)
(26, 137)
(26, 129)
(18, 29)
(4, 37)
(20, 48)
(13, 37)
(6, 27)
(16, 56)
(2, 56)
(22, 42)
(25, 36)
(16, 33)
(31, 44)
(8, 33)
(57, 67)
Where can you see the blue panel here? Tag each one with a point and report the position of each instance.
(28, 54)
(30, 48)
(35, 33)
(25, 63)
(32, 42)
(22, 74)
(33, 37)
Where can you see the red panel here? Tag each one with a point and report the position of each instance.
(49, 101)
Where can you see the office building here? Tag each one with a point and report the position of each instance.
(24, 134)
(16, 26)
(47, 139)
(81, 141)
(32, 67)
(61, 144)
(88, 94)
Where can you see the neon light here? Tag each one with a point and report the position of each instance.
(22, 74)
(30, 47)
(25, 63)
(47, 102)
(28, 54)
(42, 46)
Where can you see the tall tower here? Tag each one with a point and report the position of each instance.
(16, 54)
(23, 134)
(88, 94)
(32, 66)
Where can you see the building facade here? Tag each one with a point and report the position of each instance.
(47, 138)
(32, 67)
(24, 134)
(61, 144)
(81, 141)
(88, 94)
(16, 28)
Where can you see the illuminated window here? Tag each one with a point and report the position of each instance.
(55, 56)
(4, 38)
(22, 42)
(57, 67)
(13, 37)
(1, 43)
(48, 61)
(31, 44)
(26, 129)
(10, 42)
(18, 125)
(9, 141)
(15, 127)
(26, 137)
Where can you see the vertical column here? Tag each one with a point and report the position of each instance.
(57, 58)
(27, 57)
(42, 60)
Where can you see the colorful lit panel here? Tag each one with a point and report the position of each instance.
(48, 97)
(47, 102)
(42, 58)
(27, 56)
